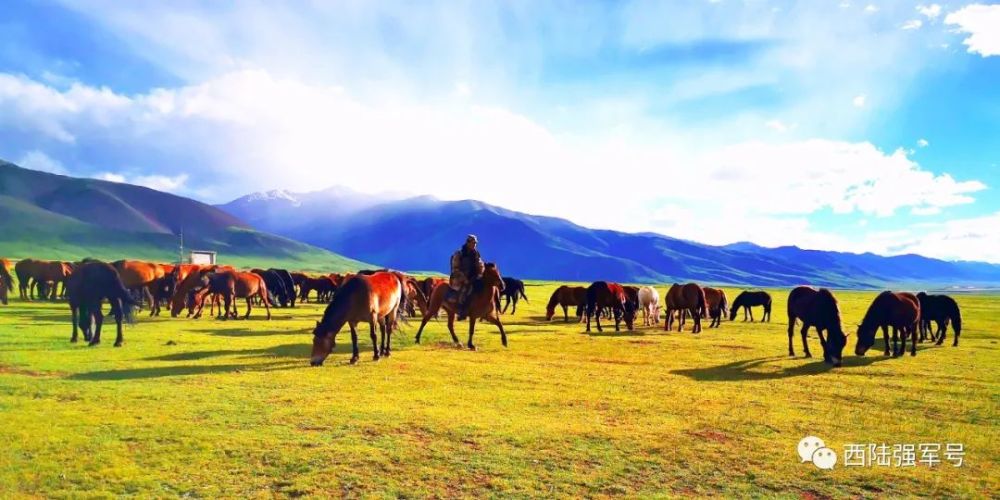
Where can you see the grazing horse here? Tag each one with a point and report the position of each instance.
(184, 287)
(717, 305)
(378, 299)
(245, 286)
(277, 294)
(566, 296)
(681, 298)
(649, 302)
(601, 294)
(87, 288)
(481, 305)
(31, 273)
(513, 289)
(287, 285)
(139, 276)
(818, 309)
(940, 309)
(324, 287)
(746, 300)
(6, 280)
(901, 311)
(414, 296)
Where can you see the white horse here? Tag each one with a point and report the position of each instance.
(649, 302)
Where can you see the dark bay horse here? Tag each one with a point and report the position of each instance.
(324, 286)
(717, 306)
(681, 298)
(901, 311)
(6, 280)
(941, 309)
(87, 288)
(378, 299)
(746, 300)
(567, 296)
(481, 305)
(513, 289)
(818, 309)
(601, 294)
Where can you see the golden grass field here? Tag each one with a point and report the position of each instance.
(210, 408)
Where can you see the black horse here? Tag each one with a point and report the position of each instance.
(817, 309)
(940, 309)
(88, 287)
(513, 290)
(288, 285)
(277, 289)
(746, 300)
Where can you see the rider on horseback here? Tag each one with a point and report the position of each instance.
(466, 267)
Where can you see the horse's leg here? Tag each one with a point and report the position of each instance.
(98, 322)
(513, 310)
(565, 313)
(805, 343)
(941, 333)
(472, 330)
(451, 328)
(381, 328)
(618, 318)
(791, 334)
(267, 305)
(354, 342)
(117, 311)
(913, 344)
(74, 313)
(903, 333)
(505, 304)
(885, 338)
(598, 320)
(822, 343)
(371, 328)
(249, 307)
(697, 320)
(895, 341)
(496, 321)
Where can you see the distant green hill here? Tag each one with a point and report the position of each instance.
(50, 216)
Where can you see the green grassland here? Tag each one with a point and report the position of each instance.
(212, 408)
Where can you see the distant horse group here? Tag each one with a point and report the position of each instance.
(383, 298)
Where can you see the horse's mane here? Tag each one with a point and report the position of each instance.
(342, 300)
(870, 315)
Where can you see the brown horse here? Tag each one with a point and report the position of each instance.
(602, 294)
(31, 272)
(482, 304)
(681, 298)
(87, 288)
(818, 309)
(6, 280)
(429, 284)
(941, 309)
(715, 299)
(566, 296)
(243, 286)
(901, 311)
(378, 299)
(415, 298)
(184, 287)
(324, 287)
(139, 276)
(746, 299)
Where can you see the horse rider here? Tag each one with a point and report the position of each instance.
(466, 268)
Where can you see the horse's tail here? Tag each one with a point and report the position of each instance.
(723, 305)
(520, 289)
(6, 278)
(956, 318)
(401, 305)
(702, 303)
(128, 303)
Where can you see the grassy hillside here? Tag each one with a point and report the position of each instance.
(209, 408)
(56, 217)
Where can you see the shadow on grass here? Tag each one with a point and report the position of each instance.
(174, 371)
(246, 332)
(610, 332)
(744, 370)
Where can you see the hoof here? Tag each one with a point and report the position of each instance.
(386, 354)
(118, 344)
(93, 343)
(473, 348)
(913, 353)
(416, 340)
(376, 357)
(807, 355)
(73, 340)
(354, 360)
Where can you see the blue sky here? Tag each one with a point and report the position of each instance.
(858, 126)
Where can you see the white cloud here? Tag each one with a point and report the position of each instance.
(923, 143)
(859, 100)
(912, 24)
(925, 210)
(37, 160)
(982, 24)
(931, 11)
(780, 126)
(871, 8)
(157, 182)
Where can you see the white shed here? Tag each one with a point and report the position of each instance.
(202, 257)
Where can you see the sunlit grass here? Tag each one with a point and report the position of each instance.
(209, 408)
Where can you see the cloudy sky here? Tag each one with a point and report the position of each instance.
(860, 126)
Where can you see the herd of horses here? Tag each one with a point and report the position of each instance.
(384, 298)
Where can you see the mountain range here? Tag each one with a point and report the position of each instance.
(51, 216)
(421, 232)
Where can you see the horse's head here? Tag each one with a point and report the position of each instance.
(836, 340)
(324, 340)
(491, 276)
(629, 314)
(866, 338)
